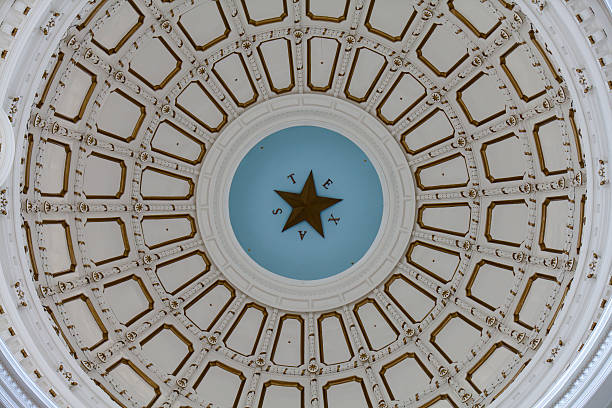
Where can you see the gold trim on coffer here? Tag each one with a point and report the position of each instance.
(513, 81)
(88, 95)
(432, 67)
(250, 305)
(485, 160)
(227, 88)
(309, 65)
(230, 370)
(437, 330)
(267, 72)
(372, 85)
(277, 383)
(123, 40)
(204, 47)
(138, 124)
(383, 33)
(329, 19)
(396, 361)
(415, 286)
(484, 358)
(270, 20)
(468, 23)
(464, 107)
(344, 333)
(364, 302)
(435, 248)
(480, 264)
(66, 178)
(144, 290)
(281, 321)
(340, 381)
(94, 313)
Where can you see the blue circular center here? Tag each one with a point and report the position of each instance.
(283, 162)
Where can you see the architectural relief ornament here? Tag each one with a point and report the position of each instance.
(602, 355)
(21, 297)
(50, 23)
(3, 202)
(584, 82)
(539, 4)
(67, 376)
(602, 172)
(13, 107)
(555, 351)
(131, 122)
(274, 290)
(7, 152)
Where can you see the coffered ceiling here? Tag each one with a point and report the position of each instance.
(136, 95)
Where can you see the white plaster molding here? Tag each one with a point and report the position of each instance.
(7, 149)
(16, 388)
(572, 386)
(366, 132)
(591, 378)
(573, 376)
(20, 76)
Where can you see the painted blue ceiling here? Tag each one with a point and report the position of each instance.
(274, 164)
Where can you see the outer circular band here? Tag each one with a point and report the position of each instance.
(7, 153)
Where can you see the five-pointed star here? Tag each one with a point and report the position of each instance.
(307, 206)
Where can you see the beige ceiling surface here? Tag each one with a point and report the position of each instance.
(138, 92)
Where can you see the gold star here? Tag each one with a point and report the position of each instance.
(307, 206)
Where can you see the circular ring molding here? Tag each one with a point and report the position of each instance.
(213, 194)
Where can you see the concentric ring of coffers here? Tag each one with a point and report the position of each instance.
(132, 105)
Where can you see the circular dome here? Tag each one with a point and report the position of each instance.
(161, 139)
(284, 181)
